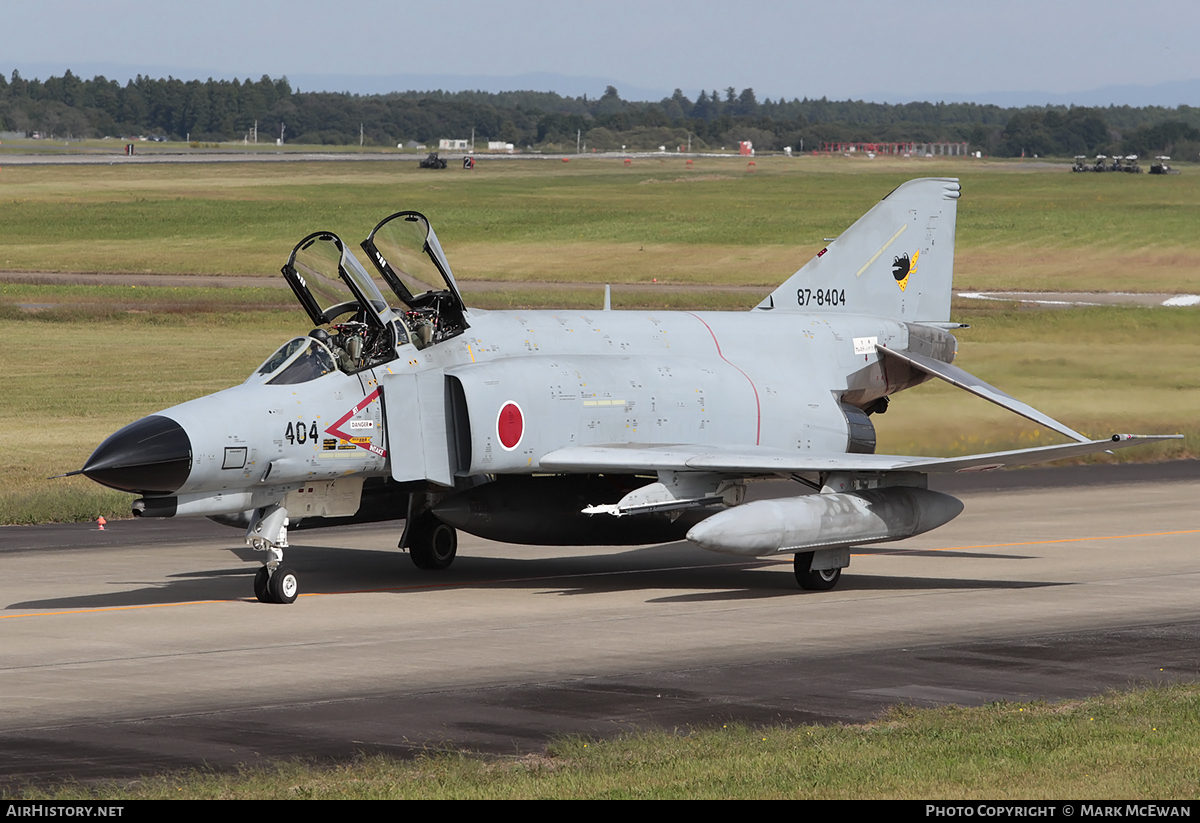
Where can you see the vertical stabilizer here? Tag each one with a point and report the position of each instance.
(896, 261)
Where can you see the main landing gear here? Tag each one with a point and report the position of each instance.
(431, 543)
(815, 580)
(274, 582)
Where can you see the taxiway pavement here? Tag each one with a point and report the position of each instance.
(141, 648)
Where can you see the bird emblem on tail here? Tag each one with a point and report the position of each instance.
(903, 267)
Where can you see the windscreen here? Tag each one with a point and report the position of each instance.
(281, 355)
(315, 361)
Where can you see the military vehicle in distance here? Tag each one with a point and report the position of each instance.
(433, 161)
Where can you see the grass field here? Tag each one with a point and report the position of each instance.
(595, 220)
(110, 354)
(1141, 744)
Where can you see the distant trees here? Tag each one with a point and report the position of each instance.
(221, 110)
(212, 110)
(1053, 132)
(1174, 138)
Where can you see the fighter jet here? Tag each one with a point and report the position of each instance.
(582, 427)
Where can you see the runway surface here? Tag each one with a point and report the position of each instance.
(148, 154)
(1074, 299)
(141, 648)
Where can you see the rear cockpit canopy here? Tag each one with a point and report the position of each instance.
(330, 282)
(405, 251)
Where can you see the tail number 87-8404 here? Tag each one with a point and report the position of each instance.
(821, 297)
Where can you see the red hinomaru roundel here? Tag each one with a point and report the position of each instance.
(510, 425)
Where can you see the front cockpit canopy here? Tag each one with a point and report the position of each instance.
(331, 284)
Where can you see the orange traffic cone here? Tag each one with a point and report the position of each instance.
(100, 522)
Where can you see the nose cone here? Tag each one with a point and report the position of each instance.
(152, 456)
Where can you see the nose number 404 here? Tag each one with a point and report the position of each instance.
(301, 433)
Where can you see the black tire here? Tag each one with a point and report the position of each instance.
(432, 544)
(284, 586)
(814, 581)
(261, 578)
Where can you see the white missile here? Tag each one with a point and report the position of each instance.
(819, 520)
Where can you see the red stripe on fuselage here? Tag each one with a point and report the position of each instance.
(757, 404)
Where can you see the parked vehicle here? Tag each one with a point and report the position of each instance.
(1161, 166)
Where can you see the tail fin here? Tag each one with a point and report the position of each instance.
(896, 261)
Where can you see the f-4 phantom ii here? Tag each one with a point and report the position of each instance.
(582, 428)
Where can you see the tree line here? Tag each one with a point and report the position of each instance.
(227, 110)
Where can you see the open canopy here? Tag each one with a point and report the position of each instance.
(330, 282)
(409, 258)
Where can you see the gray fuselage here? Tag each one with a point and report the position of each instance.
(756, 378)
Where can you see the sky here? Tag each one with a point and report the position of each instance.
(884, 51)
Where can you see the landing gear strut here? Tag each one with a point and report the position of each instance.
(274, 582)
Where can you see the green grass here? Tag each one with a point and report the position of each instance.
(1016, 230)
(72, 381)
(94, 299)
(1140, 744)
(1102, 371)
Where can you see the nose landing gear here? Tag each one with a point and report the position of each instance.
(274, 582)
(279, 586)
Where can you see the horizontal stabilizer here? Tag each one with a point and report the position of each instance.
(969, 382)
(754, 460)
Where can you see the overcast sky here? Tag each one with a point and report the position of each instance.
(865, 49)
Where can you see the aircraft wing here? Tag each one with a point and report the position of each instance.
(752, 460)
